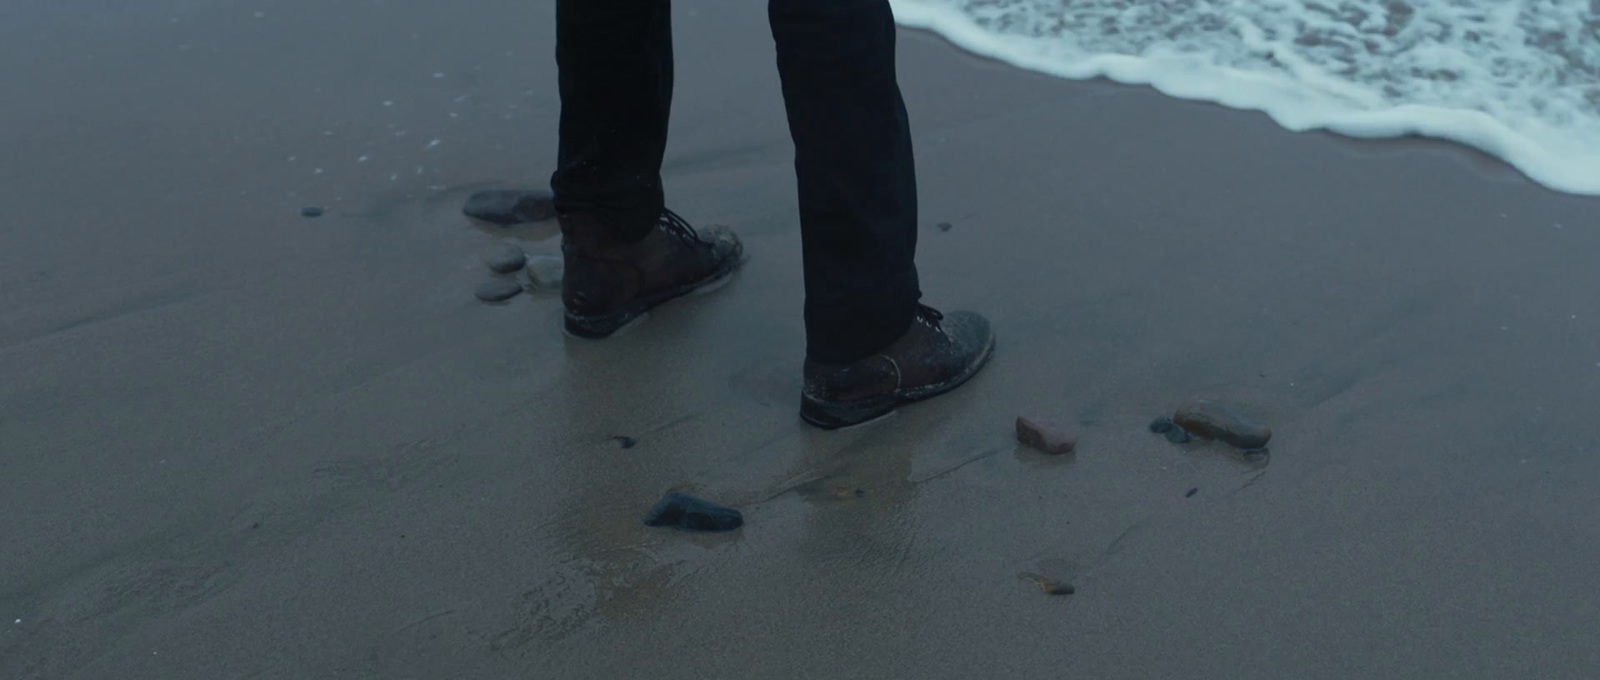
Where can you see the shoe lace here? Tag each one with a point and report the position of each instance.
(929, 315)
(679, 227)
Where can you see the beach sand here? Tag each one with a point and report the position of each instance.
(236, 442)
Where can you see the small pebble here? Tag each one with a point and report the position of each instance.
(682, 511)
(1049, 585)
(1212, 420)
(506, 207)
(312, 211)
(1192, 492)
(545, 271)
(498, 290)
(944, 226)
(1043, 438)
(505, 258)
(1169, 429)
(626, 442)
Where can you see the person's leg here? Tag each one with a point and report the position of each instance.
(624, 252)
(615, 72)
(870, 344)
(856, 175)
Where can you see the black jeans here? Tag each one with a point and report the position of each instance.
(853, 162)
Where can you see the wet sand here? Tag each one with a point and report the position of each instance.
(242, 443)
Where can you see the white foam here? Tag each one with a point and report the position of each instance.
(1517, 79)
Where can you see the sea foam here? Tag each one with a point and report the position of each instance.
(1517, 79)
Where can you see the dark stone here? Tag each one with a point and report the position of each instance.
(1173, 433)
(843, 492)
(626, 442)
(507, 207)
(1212, 420)
(682, 511)
(312, 211)
(944, 226)
(1043, 438)
(1192, 492)
(1049, 585)
(504, 259)
(498, 290)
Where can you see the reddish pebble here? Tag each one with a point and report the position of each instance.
(1212, 420)
(1051, 441)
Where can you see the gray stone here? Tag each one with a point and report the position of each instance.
(682, 511)
(505, 258)
(1169, 429)
(312, 211)
(545, 271)
(506, 207)
(497, 290)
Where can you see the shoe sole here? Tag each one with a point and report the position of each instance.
(835, 415)
(604, 326)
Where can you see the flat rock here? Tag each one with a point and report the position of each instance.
(1044, 438)
(505, 258)
(1169, 429)
(312, 211)
(1212, 420)
(506, 207)
(545, 271)
(497, 290)
(689, 513)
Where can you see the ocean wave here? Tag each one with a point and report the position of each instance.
(1517, 79)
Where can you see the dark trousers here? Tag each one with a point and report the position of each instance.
(853, 162)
